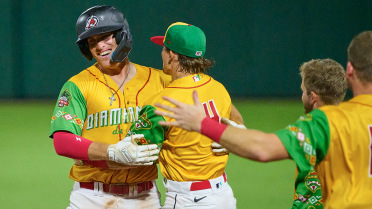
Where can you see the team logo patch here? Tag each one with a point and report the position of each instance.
(65, 99)
(198, 53)
(143, 122)
(312, 182)
(91, 22)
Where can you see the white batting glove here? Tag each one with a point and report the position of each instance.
(216, 147)
(128, 152)
(232, 123)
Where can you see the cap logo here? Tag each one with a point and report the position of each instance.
(198, 53)
(91, 22)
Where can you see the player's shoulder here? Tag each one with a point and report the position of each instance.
(154, 74)
(215, 84)
(336, 111)
(88, 74)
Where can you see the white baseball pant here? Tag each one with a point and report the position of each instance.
(210, 194)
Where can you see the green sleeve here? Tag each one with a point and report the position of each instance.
(148, 125)
(307, 140)
(70, 111)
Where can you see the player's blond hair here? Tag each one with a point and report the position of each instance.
(360, 56)
(326, 78)
(193, 65)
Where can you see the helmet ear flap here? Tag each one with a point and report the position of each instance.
(84, 49)
(119, 35)
(124, 41)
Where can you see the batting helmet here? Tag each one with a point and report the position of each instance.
(102, 19)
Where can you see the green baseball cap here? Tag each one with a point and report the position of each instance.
(183, 38)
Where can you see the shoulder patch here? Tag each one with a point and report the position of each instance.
(65, 99)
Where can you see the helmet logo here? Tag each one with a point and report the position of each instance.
(91, 22)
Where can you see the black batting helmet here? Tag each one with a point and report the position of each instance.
(102, 19)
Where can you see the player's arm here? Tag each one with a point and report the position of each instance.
(235, 115)
(251, 144)
(125, 151)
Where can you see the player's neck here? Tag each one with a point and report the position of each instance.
(115, 69)
(359, 89)
(177, 75)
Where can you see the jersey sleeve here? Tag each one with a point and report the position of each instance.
(70, 111)
(148, 125)
(307, 140)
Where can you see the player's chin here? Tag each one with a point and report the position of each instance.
(105, 61)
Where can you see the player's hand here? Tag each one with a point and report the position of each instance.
(232, 123)
(188, 117)
(216, 147)
(128, 152)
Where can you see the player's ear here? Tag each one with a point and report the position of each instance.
(173, 56)
(349, 70)
(314, 98)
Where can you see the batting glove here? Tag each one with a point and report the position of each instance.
(128, 152)
(216, 147)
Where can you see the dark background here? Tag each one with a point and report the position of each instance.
(258, 46)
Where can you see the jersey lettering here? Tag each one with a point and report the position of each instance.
(104, 118)
(113, 117)
(370, 150)
(211, 110)
(131, 114)
(90, 121)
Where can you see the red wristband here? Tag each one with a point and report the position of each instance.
(71, 145)
(212, 128)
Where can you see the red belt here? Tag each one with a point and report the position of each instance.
(200, 185)
(119, 189)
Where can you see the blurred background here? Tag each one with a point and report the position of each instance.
(258, 47)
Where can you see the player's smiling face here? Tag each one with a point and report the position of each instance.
(102, 46)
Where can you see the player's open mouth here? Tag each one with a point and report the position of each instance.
(105, 53)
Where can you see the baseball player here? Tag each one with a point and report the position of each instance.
(333, 140)
(194, 176)
(93, 114)
(323, 83)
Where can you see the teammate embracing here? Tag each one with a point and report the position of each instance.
(194, 176)
(323, 83)
(334, 140)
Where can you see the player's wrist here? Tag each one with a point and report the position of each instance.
(212, 129)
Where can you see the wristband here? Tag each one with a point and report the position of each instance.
(212, 129)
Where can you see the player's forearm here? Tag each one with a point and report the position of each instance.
(235, 115)
(77, 147)
(98, 151)
(252, 144)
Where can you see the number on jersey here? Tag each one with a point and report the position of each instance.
(210, 110)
